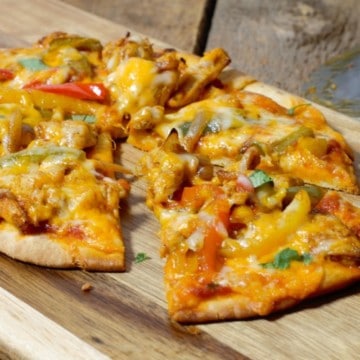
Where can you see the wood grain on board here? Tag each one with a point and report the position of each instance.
(44, 314)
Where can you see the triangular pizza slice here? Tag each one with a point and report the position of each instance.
(247, 243)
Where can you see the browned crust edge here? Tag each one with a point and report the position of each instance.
(44, 250)
(238, 307)
(230, 307)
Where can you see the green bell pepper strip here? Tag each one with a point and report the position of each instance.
(290, 139)
(38, 154)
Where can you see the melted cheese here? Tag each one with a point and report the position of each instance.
(136, 83)
(332, 170)
(59, 186)
(218, 117)
(224, 128)
(223, 113)
(46, 65)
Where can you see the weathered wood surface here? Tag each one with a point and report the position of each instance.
(44, 314)
(176, 22)
(281, 42)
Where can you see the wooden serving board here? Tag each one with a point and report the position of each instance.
(44, 314)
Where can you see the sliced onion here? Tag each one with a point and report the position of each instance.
(195, 131)
(196, 240)
(244, 184)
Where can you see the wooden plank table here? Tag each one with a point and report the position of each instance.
(45, 315)
(177, 22)
(281, 42)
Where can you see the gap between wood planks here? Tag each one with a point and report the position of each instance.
(204, 27)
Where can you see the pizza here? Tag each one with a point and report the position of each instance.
(257, 202)
(59, 190)
(252, 215)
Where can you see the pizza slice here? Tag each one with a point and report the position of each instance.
(247, 129)
(246, 243)
(58, 210)
(59, 185)
(55, 59)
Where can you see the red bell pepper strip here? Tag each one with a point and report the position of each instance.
(83, 91)
(220, 209)
(195, 196)
(6, 74)
(212, 241)
(212, 200)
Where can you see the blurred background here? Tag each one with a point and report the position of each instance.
(307, 47)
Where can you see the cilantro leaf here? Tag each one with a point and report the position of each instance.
(140, 257)
(284, 258)
(306, 258)
(259, 177)
(33, 64)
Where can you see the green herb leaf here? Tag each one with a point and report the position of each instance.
(91, 119)
(259, 177)
(291, 111)
(33, 64)
(140, 257)
(306, 258)
(284, 258)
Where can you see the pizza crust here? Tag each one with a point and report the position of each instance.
(332, 277)
(236, 79)
(337, 277)
(226, 308)
(279, 96)
(43, 250)
(95, 260)
(342, 123)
